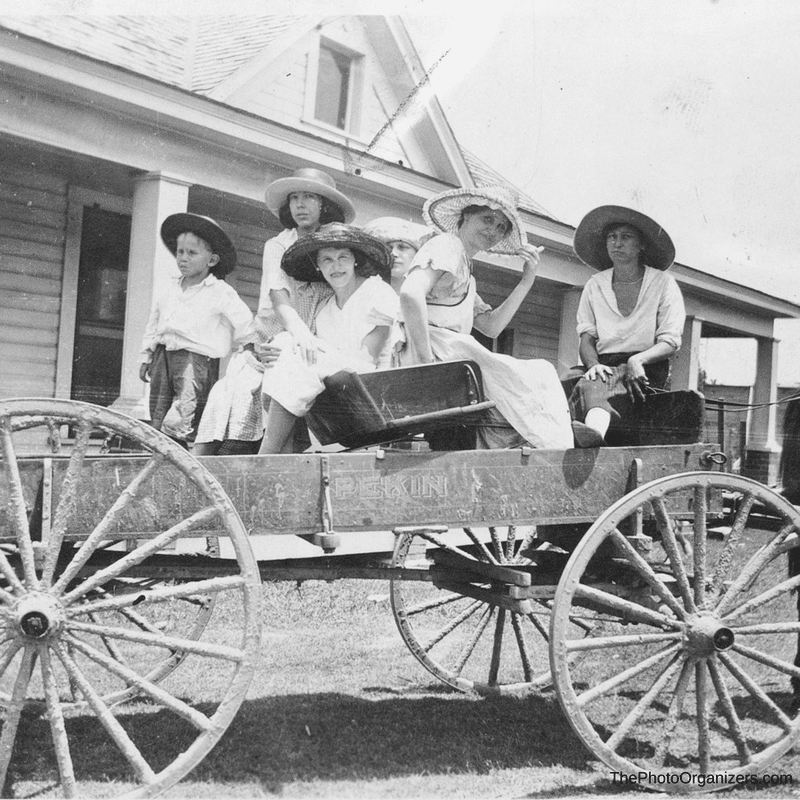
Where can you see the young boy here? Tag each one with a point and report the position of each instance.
(199, 320)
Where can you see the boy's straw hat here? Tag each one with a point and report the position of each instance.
(395, 229)
(208, 230)
(590, 243)
(300, 260)
(444, 211)
(312, 180)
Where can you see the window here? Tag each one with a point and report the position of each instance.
(333, 87)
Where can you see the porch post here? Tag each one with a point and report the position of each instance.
(686, 363)
(150, 265)
(567, 338)
(762, 447)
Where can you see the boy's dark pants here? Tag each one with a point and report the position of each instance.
(181, 379)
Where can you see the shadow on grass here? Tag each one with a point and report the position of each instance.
(330, 736)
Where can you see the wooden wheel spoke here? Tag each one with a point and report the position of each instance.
(118, 734)
(174, 643)
(701, 700)
(472, 642)
(16, 505)
(497, 544)
(481, 546)
(434, 602)
(111, 646)
(454, 623)
(14, 711)
(522, 646)
(770, 661)
(622, 640)
(626, 675)
(104, 527)
(511, 541)
(647, 573)
(755, 691)
(754, 603)
(644, 703)
(159, 595)
(673, 714)
(13, 581)
(137, 556)
(629, 611)
(700, 508)
(57, 726)
(725, 558)
(164, 698)
(670, 544)
(753, 568)
(497, 646)
(67, 502)
(539, 625)
(729, 711)
(768, 627)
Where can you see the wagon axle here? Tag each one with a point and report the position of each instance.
(706, 635)
(39, 615)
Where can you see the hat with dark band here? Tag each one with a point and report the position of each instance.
(300, 260)
(208, 230)
(590, 241)
(444, 211)
(310, 180)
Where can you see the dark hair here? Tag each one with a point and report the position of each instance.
(328, 212)
(364, 267)
(642, 239)
(468, 211)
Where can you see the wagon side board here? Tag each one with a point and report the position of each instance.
(369, 490)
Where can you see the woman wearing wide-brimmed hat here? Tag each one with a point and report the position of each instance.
(352, 326)
(233, 422)
(403, 238)
(630, 319)
(440, 306)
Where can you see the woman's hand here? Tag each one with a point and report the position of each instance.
(599, 371)
(635, 378)
(144, 372)
(305, 343)
(267, 353)
(530, 255)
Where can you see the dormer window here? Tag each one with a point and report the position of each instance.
(333, 87)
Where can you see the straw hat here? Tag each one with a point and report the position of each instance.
(312, 180)
(590, 242)
(395, 229)
(444, 210)
(208, 230)
(300, 260)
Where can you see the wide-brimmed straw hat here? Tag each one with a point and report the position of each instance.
(590, 242)
(312, 180)
(395, 229)
(300, 260)
(208, 230)
(444, 211)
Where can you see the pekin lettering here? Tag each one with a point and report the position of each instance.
(389, 487)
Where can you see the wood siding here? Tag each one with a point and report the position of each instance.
(33, 208)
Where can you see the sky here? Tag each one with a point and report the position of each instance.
(684, 109)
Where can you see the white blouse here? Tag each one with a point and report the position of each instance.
(658, 315)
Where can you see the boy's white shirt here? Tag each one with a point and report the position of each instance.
(209, 318)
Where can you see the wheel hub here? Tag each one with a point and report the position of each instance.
(38, 616)
(707, 635)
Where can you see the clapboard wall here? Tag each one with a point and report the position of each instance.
(33, 220)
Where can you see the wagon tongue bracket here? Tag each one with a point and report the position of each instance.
(328, 540)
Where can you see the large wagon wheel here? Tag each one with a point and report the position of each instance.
(475, 644)
(693, 678)
(85, 607)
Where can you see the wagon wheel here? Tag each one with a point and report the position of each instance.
(693, 677)
(472, 644)
(86, 596)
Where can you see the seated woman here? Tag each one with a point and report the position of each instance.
(439, 307)
(630, 319)
(403, 238)
(352, 326)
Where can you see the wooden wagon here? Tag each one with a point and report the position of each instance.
(645, 585)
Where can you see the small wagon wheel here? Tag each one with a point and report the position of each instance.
(693, 678)
(85, 624)
(471, 642)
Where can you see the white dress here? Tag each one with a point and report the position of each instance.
(340, 341)
(528, 392)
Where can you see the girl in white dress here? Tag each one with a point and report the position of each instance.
(352, 327)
